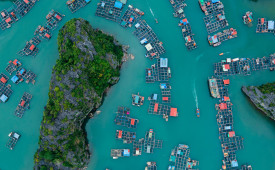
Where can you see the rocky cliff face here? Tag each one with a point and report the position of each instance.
(263, 97)
(89, 63)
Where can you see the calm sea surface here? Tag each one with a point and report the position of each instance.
(189, 73)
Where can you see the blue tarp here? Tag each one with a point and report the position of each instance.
(163, 86)
(136, 99)
(14, 79)
(118, 4)
(126, 152)
(87, 1)
(215, 1)
(155, 96)
(3, 98)
(102, 4)
(234, 164)
(22, 71)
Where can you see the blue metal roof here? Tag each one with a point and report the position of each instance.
(3, 98)
(14, 79)
(118, 4)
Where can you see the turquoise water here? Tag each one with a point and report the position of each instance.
(189, 71)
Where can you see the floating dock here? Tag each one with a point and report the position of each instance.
(148, 38)
(161, 109)
(117, 153)
(178, 6)
(150, 143)
(166, 92)
(180, 160)
(43, 32)
(248, 18)
(131, 16)
(151, 166)
(110, 9)
(75, 5)
(3, 79)
(265, 26)
(13, 66)
(216, 39)
(53, 18)
(159, 71)
(123, 119)
(18, 10)
(137, 100)
(126, 136)
(30, 48)
(30, 77)
(23, 105)
(5, 92)
(137, 147)
(13, 139)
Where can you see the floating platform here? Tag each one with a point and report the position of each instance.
(180, 160)
(30, 77)
(5, 92)
(130, 17)
(75, 5)
(53, 18)
(137, 147)
(178, 6)
(110, 9)
(265, 26)
(187, 34)
(217, 39)
(248, 18)
(3, 79)
(13, 66)
(43, 32)
(166, 92)
(150, 143)
(161, 109)
(117, 153)
(123, 119)
(13, 139)
(30, 48)
(137, 100)
(23, 105)
(159, 71)
(151, 166)
(126, 136)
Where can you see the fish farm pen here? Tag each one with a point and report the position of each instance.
(159, 71)
(3, 79)
(53, 18)
(161, 109)
(137, 147)
(150, 143)
(130, 17)
(43, 32)
(110, 9)
(30, 48)
(165, 92)
(218, 86)
(218, 38)
(13, 66)
(265, 26)
(137, 100)
(18, 10)
(180, 160)
(178, 6)
(122, 118)
(126, 136)
(117, 153)
(13, 139)
(151, 166)
(23, 105)
(5, 92)
(248, 18)
(75, 5)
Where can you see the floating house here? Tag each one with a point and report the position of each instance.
(160, 109)
(150, 143)
(3, 79)
(179, 159)
(126, 136)
(178, 6)
(75, 5)
(110, 9)
(30, 48)
(137, 147)
(117, 153)
(123, 118)
(130, 17)
(13, 66)
(5, 92)
(23, 105)
(248, 18)
(213, 87)
(166, 92)
(13, 139)
(216, 39)
(151, 166)
(137, 100)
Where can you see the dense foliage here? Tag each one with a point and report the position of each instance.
(267, 88)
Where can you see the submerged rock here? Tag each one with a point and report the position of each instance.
(89, 63)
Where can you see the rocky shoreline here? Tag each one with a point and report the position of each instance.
(263, 100)
(88, 65)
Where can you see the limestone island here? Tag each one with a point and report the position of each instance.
(89, 63)
(263, 97)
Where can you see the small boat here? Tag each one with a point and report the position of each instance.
(198, 112)
(221, 54)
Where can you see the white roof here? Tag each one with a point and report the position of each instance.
(148, 47)
(137, 25)
(228, 60)
(270, 25)
(223, 68)
(16, 135)
(163, 62)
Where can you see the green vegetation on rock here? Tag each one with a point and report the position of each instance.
(89, 62)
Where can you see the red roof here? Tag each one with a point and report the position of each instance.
(119, 133)
(262, 20)
(184, 20)
(273, 61)
(22, 103)
(225, 98)
(174, 112)
(231, 134)
(58, 17)
(164, 98)
(223, 106)
(156, 107)
(226, 81)
(32, 47)
(131, 19)
(26, 1)
(8, 20)
(47, 35)
(15, 62)
(3, 80)
(226, 66)
(133, 121)
(3, 14)
(153, 54)
(41, 29)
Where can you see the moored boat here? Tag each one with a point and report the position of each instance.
(198, 112)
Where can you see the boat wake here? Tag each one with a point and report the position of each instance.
(198, 57)
(195, 96)
(151, 10)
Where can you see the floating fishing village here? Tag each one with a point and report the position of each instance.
(158, 73)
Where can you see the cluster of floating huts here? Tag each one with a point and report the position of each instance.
(265, 26)
(178, 6)
(18, 10)
(218, 86)
(215, 21)
(42, 32)
(75, 5)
